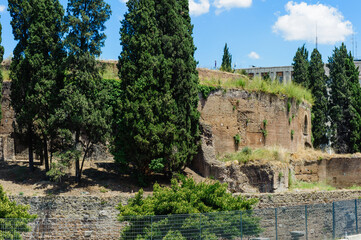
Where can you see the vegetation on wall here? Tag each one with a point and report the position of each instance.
(257, 84)
(186, 197)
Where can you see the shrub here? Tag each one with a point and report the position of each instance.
(187, 197)
(292, 134)
(13, 218)
(237, 139)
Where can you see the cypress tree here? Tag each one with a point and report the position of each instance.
(318, 86)
(1, 59)
(300, 67)
(343, 110)
(158, 126)
(352, 73)
(37, 71)
(226, 60)
(83, 111)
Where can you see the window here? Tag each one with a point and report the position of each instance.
(305, 126)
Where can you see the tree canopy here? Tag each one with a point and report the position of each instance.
(318, 86)
(300, 67)
(226, 60)
(157, 129)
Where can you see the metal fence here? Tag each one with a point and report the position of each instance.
(320, 221)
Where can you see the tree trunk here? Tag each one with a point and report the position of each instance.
(31, 151)
(77, 164)
(46, 156)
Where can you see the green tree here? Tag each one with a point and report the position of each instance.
(13, 218)
(83, 111)
(318, 86)
(158, 120)
(187, 197)
(37, 69)
(344, 101)
(352, 73)
(226, 60)
(1, 59)
(300, 67)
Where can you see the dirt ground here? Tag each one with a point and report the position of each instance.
(98, 179)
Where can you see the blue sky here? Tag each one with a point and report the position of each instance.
(258, 32)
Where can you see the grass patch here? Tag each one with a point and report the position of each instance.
(266, 154)
(256, 84)
(319, 186)
(355, 187)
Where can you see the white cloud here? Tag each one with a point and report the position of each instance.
(123, 1)
(228, 4)
(2, 8)
(254, 55)
(198, 8)
(302, 20)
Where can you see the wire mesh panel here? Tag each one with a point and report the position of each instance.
(345, 218)
(267, 223)
(320, 221)
(12, 228)
(291, 223)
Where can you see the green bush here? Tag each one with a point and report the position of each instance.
(199, 201)
(237, 139)
(206, 90)
(13, 218)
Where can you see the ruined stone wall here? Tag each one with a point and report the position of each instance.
(260, 119)
(340, 172)
(88, 217)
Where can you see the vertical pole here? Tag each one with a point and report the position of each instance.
(306, 222)
(200, 226)
(276, 223)
(333, 221)
(241, 225)
(151, 227)
(356, 217)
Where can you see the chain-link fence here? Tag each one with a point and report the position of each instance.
(320, 221)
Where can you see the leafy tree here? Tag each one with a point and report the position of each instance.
(188, 197)
(344, 101)
(318, 86)
(37, 69)
(13, 218)
(1, 59)
(158, 120)
(300, 67)
(83, 112)
(352, 73)
(226, 60)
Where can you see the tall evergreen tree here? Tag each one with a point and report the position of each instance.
(318, 86)
(83, 110)
(37, 71)
(352, 73)
(1, 59)
(300, 67)
(226, 60)
(158, 127)
(345, 101)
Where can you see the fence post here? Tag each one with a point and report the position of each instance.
(356, 217)
(306, 222)
(200, 226)
(276, 223)
(333, 221)
(151, 227)
(241, 225)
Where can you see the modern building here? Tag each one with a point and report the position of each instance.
(285, 73)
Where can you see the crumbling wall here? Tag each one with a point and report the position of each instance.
(260, 120)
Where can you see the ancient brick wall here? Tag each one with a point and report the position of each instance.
(260, 119)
